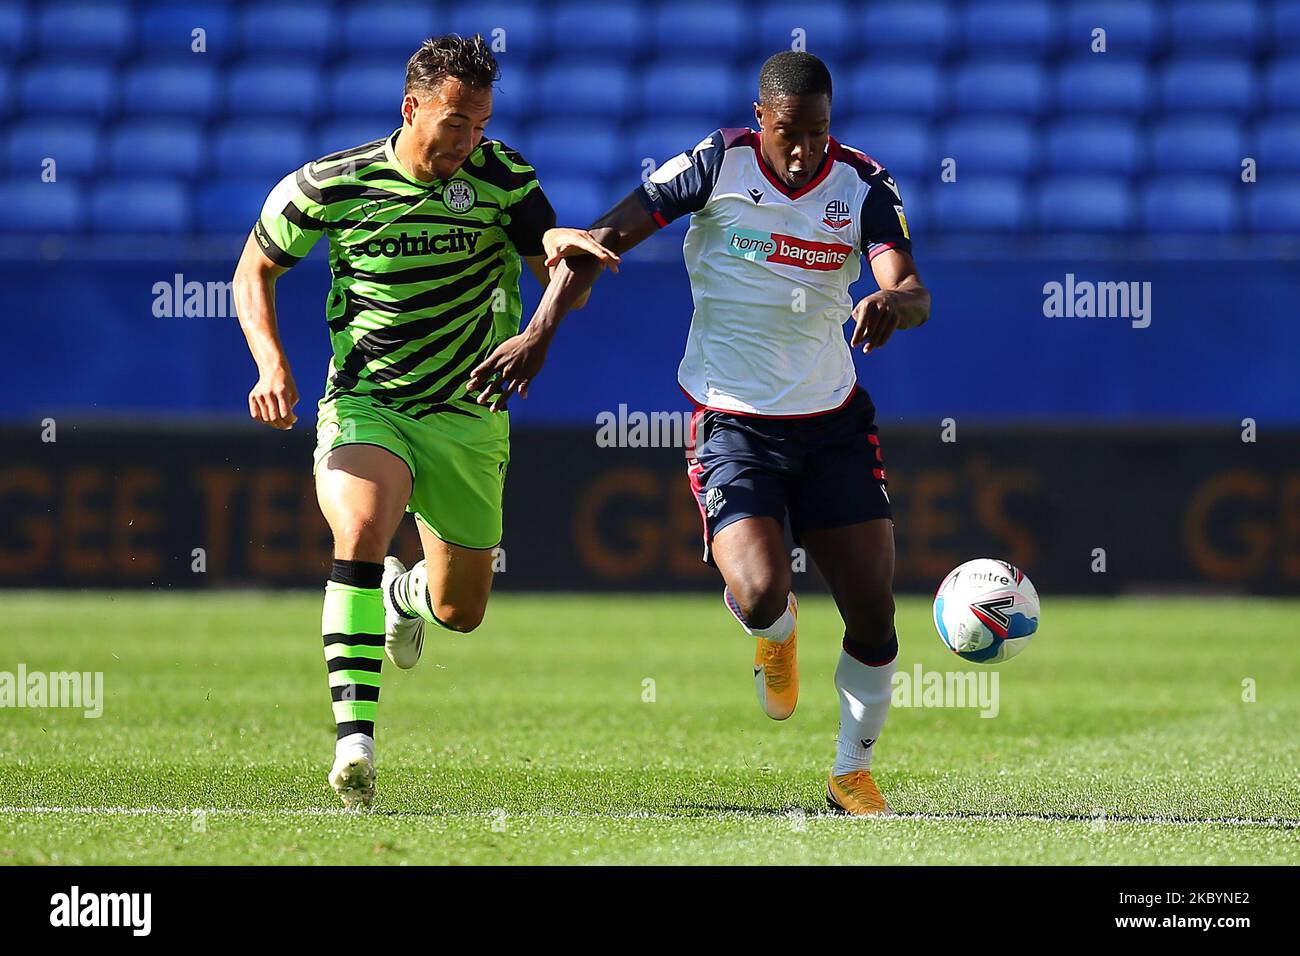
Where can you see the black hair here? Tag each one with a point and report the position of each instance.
(793, 73)
(468, 59)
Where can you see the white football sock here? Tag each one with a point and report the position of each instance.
(352, 743)
(865, 692)
(778, 631)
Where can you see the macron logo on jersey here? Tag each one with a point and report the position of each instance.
(787, 250)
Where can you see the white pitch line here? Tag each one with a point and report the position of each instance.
(1274, 822)
(776, 816)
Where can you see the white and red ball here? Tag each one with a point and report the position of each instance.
(986, 611)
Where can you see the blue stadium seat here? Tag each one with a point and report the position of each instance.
(601, 28)
(344, 134)
(1022, 27)
(229, 206)
(101, 30)
(651, 79)
(894, 86)
(367, 89)
(523, 28)
(1133, 27)
(579, 148)
(514, 94)
(660, 139)
(1094, 145)
(577, 200)
(1274, 207)
(1282, 85)
(827, 28)
(589, 89)
(1191, 205)
(169, 30)
(140, 206)
(280, 89)
(396, 28)
(904, 144)
(1103, 85)
(1084, 204)
(1286, 25)
(157, 147)
(1215, 26)
(73, 144)
(921, 28)
(75, 89)
(173, 88)
(1277, 145)
(1202, 144)
(300, 29)
(1208, 84)
(32, 206)
(979, 204)
(701, 89)
(15, 29)
(999, 87)
(716, 32)
(260, 148)
(989, 146)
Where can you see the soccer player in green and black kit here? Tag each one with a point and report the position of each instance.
(427, 228)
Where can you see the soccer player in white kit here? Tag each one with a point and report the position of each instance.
(782, 429)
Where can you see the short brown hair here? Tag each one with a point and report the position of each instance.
(468, 59)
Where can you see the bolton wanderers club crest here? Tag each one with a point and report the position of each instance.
(458, 196)
(837, 214)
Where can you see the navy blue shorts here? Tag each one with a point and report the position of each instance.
(824, 471)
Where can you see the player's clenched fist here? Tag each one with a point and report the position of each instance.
(273, 398)
(875, 319)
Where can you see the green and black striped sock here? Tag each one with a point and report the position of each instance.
(353, 625)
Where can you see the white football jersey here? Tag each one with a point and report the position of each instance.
(770, 270)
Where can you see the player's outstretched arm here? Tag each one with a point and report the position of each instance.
(273, 397)
(514, 363)
(902, 302)
(561, 241)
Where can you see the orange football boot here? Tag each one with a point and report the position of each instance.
(776, 672)
(855, 794)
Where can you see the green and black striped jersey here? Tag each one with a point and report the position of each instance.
(425, 275)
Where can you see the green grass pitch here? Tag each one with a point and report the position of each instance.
(1122, 737)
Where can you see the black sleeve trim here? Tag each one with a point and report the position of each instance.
(880, 222)
(271, 250)
(529, 220)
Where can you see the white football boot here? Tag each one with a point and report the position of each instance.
(353, 774)
(403, 636)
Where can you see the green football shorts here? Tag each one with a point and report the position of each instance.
(457, 462)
